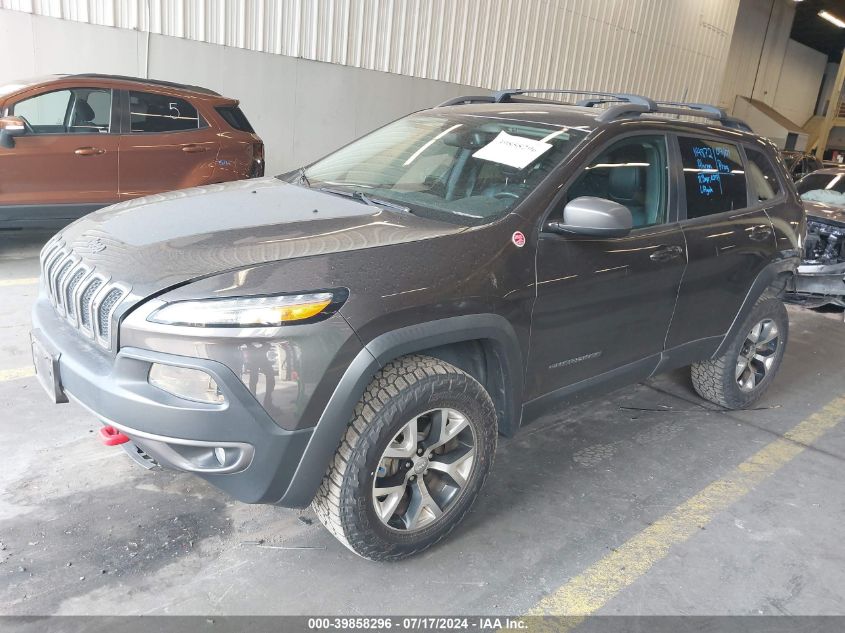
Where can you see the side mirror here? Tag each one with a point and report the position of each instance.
(594, 216)
(10, 127)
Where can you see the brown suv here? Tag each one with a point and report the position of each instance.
(70, 144)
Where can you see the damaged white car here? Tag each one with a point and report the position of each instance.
(821, 276)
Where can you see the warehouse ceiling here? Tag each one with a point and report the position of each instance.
(816, 32)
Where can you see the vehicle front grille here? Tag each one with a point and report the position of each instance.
(80, 293)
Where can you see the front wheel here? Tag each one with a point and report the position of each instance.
(412, 461)
(740, 376)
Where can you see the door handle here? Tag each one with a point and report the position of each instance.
(666, 253)
(760, 232)
(193, 149)
(89, 151)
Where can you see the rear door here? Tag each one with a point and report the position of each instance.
(166, 144)
(604, 304)
(729, 238)
(67, 163)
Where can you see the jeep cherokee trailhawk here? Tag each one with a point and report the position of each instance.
(355, 334)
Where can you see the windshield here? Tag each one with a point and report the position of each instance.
(826, 188)
(464, 169)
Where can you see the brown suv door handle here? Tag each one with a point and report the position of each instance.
(193, 149)
(89, 151)
(665, 253)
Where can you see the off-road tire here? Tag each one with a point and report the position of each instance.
(404, 388)
(715, 379)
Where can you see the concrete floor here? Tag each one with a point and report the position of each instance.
(86, 531)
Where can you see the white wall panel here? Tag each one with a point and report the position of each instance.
(799, 82)
(666, 48)
(757, 50)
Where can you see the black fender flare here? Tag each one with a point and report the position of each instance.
(766, 279)
(337, 414)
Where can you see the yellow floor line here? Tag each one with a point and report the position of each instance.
(14, 374)
(592, 589)
(18, 282)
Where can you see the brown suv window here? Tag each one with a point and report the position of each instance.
(72, 111)
(235, 117)
(713, 176)
(151, 112)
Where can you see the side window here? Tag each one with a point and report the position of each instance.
(151, 112)
(74, 111)
(762, 175)
(631, 172)
(714, 178)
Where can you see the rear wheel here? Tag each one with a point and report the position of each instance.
(740, 376)
(412, 462)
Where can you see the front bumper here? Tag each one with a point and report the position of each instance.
(820, 284)
(260, 456)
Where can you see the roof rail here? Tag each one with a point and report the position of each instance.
(626, 104)
(467, 99)
(151, 82)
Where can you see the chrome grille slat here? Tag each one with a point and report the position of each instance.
(50, 267)
(85, 301)
(63, 270)
(73, 282)
(78, 292)
(105, 310)
(50, 249)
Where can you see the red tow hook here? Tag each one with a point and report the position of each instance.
(111, 436)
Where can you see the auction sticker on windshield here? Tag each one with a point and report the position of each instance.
(514, 151)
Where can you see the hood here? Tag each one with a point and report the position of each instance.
(824, 212)
(159, 241)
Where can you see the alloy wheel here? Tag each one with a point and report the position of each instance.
(424, 470)
(757, 354)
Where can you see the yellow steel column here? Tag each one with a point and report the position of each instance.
(832, 109)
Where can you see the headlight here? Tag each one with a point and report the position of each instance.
(250, 311)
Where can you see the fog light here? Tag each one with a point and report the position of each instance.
(220, 454)
(187, 383)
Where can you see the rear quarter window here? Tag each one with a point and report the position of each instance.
(714, 177)
(235, 117)
(762, 175)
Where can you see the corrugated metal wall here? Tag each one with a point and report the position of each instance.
(666, 48)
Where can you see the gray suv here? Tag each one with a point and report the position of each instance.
(355, 335)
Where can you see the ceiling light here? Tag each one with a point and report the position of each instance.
(832, 19)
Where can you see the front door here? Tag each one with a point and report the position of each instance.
(67, 162)
(605, 305)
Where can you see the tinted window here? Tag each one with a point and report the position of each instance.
(631, 172)
(235, 118)
(713, 176)
(762, 175)
(74, 111)
(161, 113)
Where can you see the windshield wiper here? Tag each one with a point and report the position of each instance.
(363, 197)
